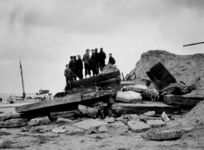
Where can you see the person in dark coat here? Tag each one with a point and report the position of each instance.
(75, 68)
(102, 58)
(68, 76)
(93, 62)
(97, 60)
(79, 66)
(72, 66)
(111, 59)
(86, 60)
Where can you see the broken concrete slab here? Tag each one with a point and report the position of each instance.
(114, 128)
(70, 130)
(118, 128)
(127, 83)
(89, 123)
(64, 120)
(131, 117)
(156, 123)
(5, 117)
(164, 135)
(39, 121)
(138, 126)
(128, 97)
(68, 102)
(103, 128)
(109, 120)
(149, 113)
(96, 79)
(160, 76)
(183, 100)
(144, 106)
(49, 103)
(85, 110)
(13, 123)
(145, 118)
(59, 130)
(121, 119)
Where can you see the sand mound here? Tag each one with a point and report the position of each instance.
(186, 68)
(195, 117)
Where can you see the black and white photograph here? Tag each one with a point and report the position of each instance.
(102, 74)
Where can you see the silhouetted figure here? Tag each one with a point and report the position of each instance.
(72, 66)
(111, 59)
(75, 68)
(102, 58)
(86, 60)
(97, 61)
(79, 66)
(68, 76)
(93, 62)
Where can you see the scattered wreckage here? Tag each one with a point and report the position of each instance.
(110, 109)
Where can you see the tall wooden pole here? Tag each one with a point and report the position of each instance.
(24, 95)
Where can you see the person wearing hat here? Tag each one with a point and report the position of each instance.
(72, 66)
(86, 60)
(111, 59)
(79, 67)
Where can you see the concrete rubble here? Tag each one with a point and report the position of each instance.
(116, 109)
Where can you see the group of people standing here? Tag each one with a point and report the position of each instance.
(92, 63)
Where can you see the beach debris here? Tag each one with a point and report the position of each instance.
(85, 110)
(13, 123)
(156, 123)
(39, 121)
(64, 120)
(171, 134)
(138, 126)
(59, 130)
(109, 119)
(165, 117)
(149, 113)
(128, 97)
(89, 123)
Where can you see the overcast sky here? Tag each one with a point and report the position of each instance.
(45, 33)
